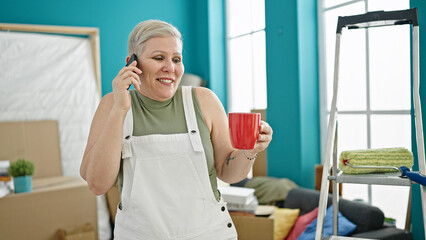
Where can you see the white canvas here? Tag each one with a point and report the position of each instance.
(51, 77)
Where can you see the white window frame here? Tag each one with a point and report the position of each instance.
(258, 101)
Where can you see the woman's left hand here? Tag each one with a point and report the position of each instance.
(264, 138)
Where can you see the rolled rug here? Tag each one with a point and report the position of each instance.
(381, 157)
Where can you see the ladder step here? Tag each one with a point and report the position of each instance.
(373, 178)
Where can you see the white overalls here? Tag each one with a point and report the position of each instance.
(166, 190)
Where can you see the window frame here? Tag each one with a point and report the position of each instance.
(230, 105)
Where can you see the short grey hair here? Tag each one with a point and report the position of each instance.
(148, 29)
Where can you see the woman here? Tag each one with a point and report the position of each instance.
(165, 145)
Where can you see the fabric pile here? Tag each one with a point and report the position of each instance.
(288, 225)
(381, 157)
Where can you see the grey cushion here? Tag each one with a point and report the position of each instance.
(386, 234)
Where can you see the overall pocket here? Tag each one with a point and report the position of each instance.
(167, 194)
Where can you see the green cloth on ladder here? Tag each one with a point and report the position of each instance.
(395, 157)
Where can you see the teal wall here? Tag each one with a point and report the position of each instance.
(292, 73)
(116, 19)
(217, 48)
(416, 213)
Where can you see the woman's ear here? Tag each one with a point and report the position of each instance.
(127, 59)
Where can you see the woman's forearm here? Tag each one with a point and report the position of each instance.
(237, 165)
(101, 163)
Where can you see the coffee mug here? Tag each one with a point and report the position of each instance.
(244, 129)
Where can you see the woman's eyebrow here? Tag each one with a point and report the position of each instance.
(163, 52)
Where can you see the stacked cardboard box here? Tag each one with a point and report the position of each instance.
(56, 202)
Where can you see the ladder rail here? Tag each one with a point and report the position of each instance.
(335, 188)
(418, 118)
(322, 205)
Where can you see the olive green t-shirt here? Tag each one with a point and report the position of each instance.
(168, 117)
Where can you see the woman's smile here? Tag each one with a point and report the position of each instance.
(165, 81)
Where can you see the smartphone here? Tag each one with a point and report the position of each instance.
(132, 59)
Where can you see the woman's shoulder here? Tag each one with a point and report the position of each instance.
(209, 103)
(204, 93)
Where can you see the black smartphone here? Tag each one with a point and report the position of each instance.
(132, 58)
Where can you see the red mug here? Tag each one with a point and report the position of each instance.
(244, 129)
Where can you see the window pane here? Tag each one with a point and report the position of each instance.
(388, 5)
(391, 131)
(258, 8)
(352, 191)
(330, 44)
(352, 132)
(240, 75)
(331, 3)
(390, 67)
(239, 17)
(259, 70)
(352, 80)
(387, 198)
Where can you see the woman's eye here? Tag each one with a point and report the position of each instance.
(176, 60)
(159, 58)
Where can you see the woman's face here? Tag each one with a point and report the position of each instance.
(162, 67)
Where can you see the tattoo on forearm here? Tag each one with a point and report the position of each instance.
(229, 159)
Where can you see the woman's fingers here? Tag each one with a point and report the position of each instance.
(127, 76)
(135, 72)
(132, 67)
(265, 134)
(264, 138)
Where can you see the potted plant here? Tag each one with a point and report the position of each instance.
(22, 170)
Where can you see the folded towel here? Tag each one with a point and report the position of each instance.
(395, 157)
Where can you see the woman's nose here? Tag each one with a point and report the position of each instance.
(169, 66)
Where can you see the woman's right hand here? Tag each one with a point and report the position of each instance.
(127, 76)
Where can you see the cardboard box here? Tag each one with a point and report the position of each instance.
(38, 141)
(254, 228)
(56, 202)
(83, 232)
(113, 198)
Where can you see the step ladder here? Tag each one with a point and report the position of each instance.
(332, 173)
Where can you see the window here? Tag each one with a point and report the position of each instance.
(374, 91)
(246, 55)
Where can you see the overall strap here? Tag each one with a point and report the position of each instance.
(191, 119)
(126, 150)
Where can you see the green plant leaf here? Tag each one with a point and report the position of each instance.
(22, 167)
